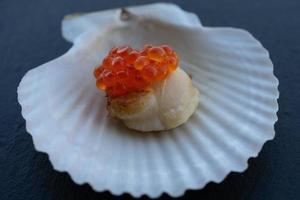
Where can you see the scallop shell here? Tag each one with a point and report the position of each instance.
(66, 115)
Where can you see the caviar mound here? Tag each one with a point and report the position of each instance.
(125, 70)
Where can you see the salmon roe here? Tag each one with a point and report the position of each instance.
(126, 70)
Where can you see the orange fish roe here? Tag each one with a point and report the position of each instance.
(126, 70)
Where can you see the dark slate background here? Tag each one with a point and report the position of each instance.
(30, 35)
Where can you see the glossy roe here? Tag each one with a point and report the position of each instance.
(126, 70)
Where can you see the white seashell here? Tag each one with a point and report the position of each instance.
(66, 115)
(168, 105)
